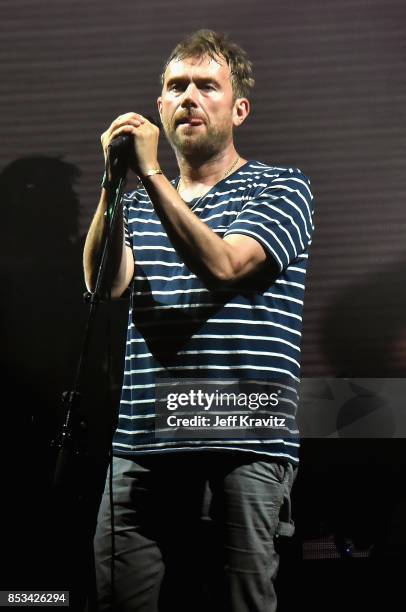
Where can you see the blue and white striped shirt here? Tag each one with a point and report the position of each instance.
(179, 327)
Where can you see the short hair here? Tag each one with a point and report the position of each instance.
(217, 45)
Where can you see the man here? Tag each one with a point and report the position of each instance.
(216, 261)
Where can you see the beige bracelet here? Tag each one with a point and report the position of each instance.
(153, 171)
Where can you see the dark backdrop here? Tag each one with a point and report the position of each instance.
(330, 98)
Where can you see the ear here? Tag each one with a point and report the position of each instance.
(159, 105)
(241, 111)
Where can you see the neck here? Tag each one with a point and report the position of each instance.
(207, 172)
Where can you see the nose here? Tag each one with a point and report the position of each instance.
(190, 96)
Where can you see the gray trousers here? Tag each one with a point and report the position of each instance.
(193, 531)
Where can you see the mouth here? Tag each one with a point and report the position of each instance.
(190, 121)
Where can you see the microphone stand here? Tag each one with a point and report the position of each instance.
(69, 441)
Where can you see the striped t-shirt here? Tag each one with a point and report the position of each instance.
(178, 327)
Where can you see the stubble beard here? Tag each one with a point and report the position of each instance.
(198, 148)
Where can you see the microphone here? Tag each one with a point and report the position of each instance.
(120, 142)
(121, 154)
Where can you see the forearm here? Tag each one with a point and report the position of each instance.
(117, 272)
(205, 253)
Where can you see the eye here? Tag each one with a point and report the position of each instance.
(174, 86)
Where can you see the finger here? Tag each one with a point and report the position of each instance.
(128, 118)
(109, 134)
(125, 129)
(117, 125)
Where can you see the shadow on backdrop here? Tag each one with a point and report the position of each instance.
(42, 320)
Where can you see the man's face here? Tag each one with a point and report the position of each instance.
(197, 106)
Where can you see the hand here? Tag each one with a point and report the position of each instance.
(145, 137)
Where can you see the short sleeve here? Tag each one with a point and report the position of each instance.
(279, 216)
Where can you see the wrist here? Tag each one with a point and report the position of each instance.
(150, 170)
